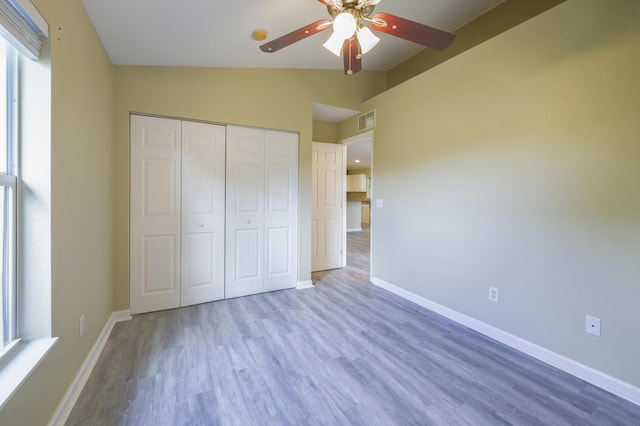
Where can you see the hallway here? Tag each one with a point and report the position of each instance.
(358, 250)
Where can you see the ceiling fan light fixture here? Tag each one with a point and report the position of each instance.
(334, 44)
(352, 37)
(367, 39)
(344, 25)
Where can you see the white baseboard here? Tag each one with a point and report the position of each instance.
(304, 284)
(73, 392)
(595, 377)
(354, 230)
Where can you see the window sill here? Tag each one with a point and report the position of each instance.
(18, 363)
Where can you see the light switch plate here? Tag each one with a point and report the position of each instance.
(379, 203)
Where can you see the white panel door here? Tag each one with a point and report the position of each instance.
(244, 268)
(203, 211)
(155, 214)
(281, 210)
(262, 211)
(327, 204)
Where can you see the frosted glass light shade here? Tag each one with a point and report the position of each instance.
(344, 25)
(366, 39)
(334, 44)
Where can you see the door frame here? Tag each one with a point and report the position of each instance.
(361, 137)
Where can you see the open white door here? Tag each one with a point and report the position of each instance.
(327, 204)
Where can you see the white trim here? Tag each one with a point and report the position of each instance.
(354, 229)
(9, 348)
(19, 362)
(611, 384)
(343, 249)
(361, 137)
(304, 284)
(73, 392)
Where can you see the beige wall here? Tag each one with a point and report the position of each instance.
(517, 165)
(81, 216)
(348, 128)
(503, 17)
(278, 99)
(325, 132)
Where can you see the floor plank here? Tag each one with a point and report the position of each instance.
(343, 352)
(358, 250)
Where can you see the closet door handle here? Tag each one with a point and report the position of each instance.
(248, 221)
(201, 225)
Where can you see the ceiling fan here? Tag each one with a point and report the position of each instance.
(353, 39)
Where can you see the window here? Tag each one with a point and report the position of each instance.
(25, 112)
(8, 192)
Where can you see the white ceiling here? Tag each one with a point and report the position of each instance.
(360, 151)
(215, 33)
(332, 114)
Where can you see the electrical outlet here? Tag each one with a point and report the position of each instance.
(592, 325)
(81, 325)
(494, 294)
(379, 203)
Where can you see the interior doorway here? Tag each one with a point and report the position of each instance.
(359, 192)
(353, 246)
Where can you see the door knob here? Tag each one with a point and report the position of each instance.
(201, 225)
(248, 221)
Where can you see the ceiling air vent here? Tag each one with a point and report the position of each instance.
(367, 121)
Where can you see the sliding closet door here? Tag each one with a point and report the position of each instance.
(262, 211)
(281, 210)
(203, 211)
(155, 214)
(245, 211)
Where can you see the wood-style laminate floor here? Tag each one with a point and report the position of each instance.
(358, 252)
(344, 352)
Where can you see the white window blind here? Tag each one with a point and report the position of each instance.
(23, 26)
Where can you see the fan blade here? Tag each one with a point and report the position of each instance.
(352, 56)
(332, 3)
(294, 36)
(412, 31)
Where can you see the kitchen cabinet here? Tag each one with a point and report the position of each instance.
(354, 218)
(357, 183)
(365, 213)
